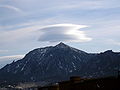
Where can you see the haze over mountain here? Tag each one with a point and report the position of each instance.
(59, 62)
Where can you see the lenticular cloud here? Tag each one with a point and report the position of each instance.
(63, 32)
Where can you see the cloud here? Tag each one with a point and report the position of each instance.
(17, 35)
(11, 57)
(63, 32)
(8, 59)
(3, 51)
(10, 12)
(46, 33)
(79, 5)
(11, 8)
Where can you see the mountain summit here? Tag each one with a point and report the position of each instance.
(62, 45)
(59, 62)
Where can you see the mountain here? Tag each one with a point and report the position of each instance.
(59, 62)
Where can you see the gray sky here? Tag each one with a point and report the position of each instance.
(89, 25)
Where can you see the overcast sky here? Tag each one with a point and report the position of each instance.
(89, 25)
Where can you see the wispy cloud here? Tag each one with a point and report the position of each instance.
(3, 51)
(18, 34)
(30, 24)
(79, 5)
(12, 8)
(27, 24)
(82, 5)
(8, 59)
(12, 57)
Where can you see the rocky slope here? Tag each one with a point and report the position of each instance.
(59, 62)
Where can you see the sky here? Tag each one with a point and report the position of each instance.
(89, 25)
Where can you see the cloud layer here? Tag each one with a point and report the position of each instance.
(63, 32)
(24, 22)
(8, 59)
(11, 8)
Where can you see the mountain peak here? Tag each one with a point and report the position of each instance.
(62, 45)
(108, 51)
(44, 63)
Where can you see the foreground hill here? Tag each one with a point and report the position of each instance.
(59, 62)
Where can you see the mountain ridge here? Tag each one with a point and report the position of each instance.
(59, 62)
